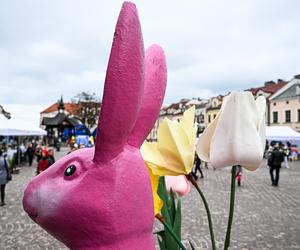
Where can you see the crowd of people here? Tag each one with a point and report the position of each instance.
(45, 158)
(278, 155)
(11, 155)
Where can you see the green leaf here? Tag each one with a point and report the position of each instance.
(193, 248)
(172, 208)
(177, 219)
(162, 192)
(166, 212)
(161, 241)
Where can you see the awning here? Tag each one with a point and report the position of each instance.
(283, 134)
(19, 127)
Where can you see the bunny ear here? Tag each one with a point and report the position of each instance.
(123, 87)
(154, 92)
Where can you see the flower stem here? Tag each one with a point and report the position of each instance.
(169, 229)
(231, 210)
(211, 231)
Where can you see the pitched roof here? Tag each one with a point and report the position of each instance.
(59, 119)
(285, 87)
(72, 108)
(268, 88)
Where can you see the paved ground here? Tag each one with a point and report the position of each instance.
(265, 217)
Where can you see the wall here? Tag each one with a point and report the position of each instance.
(281, 106)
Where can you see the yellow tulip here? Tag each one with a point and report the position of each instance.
(158, 203)
(173, 154)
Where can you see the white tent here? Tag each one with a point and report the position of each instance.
(282, 133)
(19, 127)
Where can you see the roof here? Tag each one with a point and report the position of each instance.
(59, 119)
(278, 133)
(285, 87)
(214, 108)
(72, 108)
(17, 126)
(268, 88)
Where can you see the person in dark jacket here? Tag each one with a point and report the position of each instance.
(4, 177)
(51, 158)
(30, 153)
(197, 168)
(38, 152)
(274, 161)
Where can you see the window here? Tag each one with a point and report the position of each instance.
(208, 118)
(275, 117)
(274, 104)
(215, 116)
(287, 102)
(287, 116)
(298, 115)
(298, 90)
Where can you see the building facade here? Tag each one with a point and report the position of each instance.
(267, 91)
(175, 111)
(59, 122)
(285, 105)
(212, 109)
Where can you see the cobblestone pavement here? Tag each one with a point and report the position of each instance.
(265, 217)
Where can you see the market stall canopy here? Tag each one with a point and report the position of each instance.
(282, 133)
(19, 127)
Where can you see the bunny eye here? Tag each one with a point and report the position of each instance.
(70, 170)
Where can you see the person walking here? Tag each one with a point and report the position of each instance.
(38, 152)
(51, 158)
(197, 168)
(30, 153)
(286, 153)
(275, 159)
(238, 175)
(44, 162)
(4, 177)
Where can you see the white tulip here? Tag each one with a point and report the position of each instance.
(237, 135)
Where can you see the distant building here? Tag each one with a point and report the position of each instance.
(267, 91)
(175, 111)
(285, 105)
(200, 111)
(212, 109)
(54, 109)
(55, 122)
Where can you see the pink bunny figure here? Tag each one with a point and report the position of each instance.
(101, 198)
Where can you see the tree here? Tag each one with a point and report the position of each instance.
(85, 97)
(89, 108)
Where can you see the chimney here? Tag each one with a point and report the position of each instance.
(297, 76)
(279, 81)
(268, 83)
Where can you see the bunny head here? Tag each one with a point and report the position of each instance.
(101, 198)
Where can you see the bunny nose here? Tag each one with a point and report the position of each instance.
(30, 202)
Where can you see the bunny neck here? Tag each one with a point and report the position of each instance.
(107, 157)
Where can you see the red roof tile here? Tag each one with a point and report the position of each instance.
(72, 108)
(269, 88)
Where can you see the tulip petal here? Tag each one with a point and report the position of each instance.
(179, 184)
(158, 203)
(234, 137)
(261, 126)
(203, 146)
(173, 154)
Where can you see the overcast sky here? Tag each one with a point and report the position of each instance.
(54, 47)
